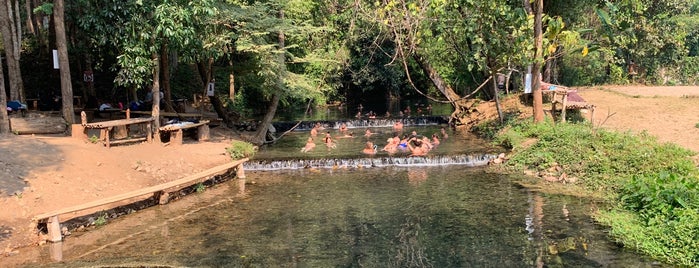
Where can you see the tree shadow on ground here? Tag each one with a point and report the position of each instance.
(18, 157)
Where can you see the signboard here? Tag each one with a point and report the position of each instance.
(210, 89)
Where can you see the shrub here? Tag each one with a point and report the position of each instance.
(654, 186)
(241, 149)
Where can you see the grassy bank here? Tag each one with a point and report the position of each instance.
(652, 188)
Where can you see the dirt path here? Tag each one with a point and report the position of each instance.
(669, 113)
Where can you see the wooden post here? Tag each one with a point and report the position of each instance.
(203, 132)
(240, 172)
(54, 229)
(83, 118)
(565, 104)
(176, 137)
(56, 251)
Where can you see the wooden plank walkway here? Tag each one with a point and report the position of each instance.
(53, 223)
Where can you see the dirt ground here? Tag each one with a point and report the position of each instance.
(39, 174)
(43, 173)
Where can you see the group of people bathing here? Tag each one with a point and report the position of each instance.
(416, 145)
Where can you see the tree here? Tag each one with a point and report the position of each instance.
(4, 118)
(11, 39)
(64, 63)
(538, 105)
(478, 39)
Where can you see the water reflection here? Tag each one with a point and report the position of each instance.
(451, 216)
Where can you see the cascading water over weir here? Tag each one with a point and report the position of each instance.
(459, 149)
(407, 161)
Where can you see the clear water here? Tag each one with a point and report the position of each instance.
(452, 216)
(391, 216)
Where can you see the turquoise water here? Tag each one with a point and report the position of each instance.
(453, 216)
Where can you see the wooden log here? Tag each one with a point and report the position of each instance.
(38, 125)
(185, 181)
(240, 172)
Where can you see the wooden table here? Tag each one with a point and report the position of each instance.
(105, 128)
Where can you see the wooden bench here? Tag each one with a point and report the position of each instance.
(159, 191)
(176, 131)
(105, 128)
(568, 99)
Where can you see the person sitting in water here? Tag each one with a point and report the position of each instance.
(444, 133)
(314, 131)
(369, 148)
(403, 144)
(343, 128)
(329, 142)
(392, 144)
(417, 147)
(309, 145)
(368, 133)
(398, 126)
(427, 142)
(348, 135)
(435, 139)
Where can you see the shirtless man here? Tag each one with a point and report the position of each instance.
(369, 148)
(418, 149)
(309, 145)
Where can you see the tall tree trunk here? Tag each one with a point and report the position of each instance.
(260, 137)
(206, 75)
(4, 118)
(155, 91)
(30, 17)
(64, 65)
(165, 74)
(497, 97)
(538, 104)
(231, 83)
(12, 46)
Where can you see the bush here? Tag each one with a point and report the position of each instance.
(241, 149)
(654, 186)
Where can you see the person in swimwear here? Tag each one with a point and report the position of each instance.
(309, 145)
(398, 126)
(343, 128)
(369, 148)
(368, 133)
(392, 144)
(435, 139)
(329, 142)
(403, 144)
(444, 134)
(417, 147)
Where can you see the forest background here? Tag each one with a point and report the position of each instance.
(285, 54)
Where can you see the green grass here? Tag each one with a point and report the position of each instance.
(652, 187)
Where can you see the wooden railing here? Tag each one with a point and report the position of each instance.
(53, 222)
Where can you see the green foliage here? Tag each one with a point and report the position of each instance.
(241, 149)
(101, 220)
(94, 139)
(601, 158)
(199, 188)
(655, 185)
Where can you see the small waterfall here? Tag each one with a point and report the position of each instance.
(407, 161)
(364, 123)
